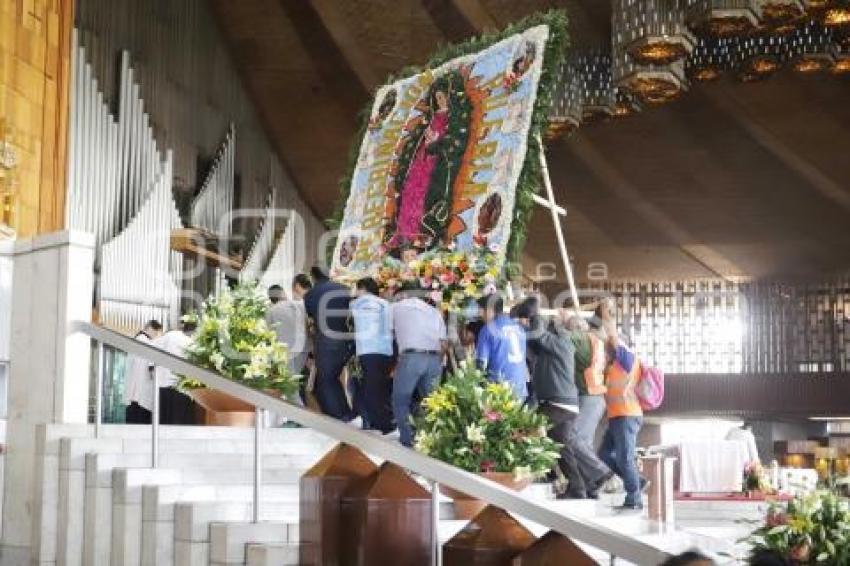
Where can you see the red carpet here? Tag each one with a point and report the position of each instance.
(731, 497)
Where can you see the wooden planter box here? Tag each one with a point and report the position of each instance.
(220, 409)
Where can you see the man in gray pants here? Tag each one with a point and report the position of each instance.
(555, 388)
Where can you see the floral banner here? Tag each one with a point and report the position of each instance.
(439, 163)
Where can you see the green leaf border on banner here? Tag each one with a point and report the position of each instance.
(530, 179)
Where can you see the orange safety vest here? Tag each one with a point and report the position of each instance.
(594, 374)
(621, 398)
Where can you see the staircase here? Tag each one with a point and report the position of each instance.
(101, 504)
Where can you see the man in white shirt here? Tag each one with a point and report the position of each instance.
(175, 407)
(138, 379)
(420, 333)
(288, 318)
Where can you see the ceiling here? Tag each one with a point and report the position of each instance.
(731, 180)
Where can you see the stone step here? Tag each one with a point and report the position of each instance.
(277, 554)
(229, 541)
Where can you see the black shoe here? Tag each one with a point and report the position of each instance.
(602, 481)
(571, 495)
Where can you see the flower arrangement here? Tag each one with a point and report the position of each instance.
(481, 426)
(814, 529)
(755, 478)
(233, 339)
(451, 278)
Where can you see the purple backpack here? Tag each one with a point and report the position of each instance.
(650, 388)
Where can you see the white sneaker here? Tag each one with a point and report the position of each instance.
(613, 485)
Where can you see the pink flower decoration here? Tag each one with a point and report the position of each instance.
(425, 282)
(436, 296)
(447, 278)
(493, 416)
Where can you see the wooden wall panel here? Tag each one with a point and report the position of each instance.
(35, 43)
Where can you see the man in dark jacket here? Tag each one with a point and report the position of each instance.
(328, 304)
(556, 391)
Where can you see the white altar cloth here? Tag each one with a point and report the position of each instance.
(712, 466)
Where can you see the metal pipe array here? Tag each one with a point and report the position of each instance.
(113, 162)
(212, 208)
(264, 244)
(141, 277)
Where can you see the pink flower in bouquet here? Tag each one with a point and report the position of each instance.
(488, 466)
(436, 296)
(493, 416)
(425, 282)
(776, 519)
(447, 278)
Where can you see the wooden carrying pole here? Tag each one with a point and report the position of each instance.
(556, 220)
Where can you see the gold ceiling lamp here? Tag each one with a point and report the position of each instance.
(653, 32)
(761, 56)
(841, 55)
(778, 14)
(725, 18)
(626, 104)
(837, 16)
(650, 82)
(811, 49)
(565, 115)
(8, 177)
(597, 89)
(711, 58)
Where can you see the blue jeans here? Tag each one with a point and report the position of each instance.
(331, 357)
(415, 372)
(618, 451)
(591, 409)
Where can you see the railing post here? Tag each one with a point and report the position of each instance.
(258, 460)
(437, 558)
(155, 421)
(98, 397)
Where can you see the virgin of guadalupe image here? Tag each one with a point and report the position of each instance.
(428, 163)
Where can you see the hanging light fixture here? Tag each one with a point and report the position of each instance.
(653, 84)
(837, 15)
(841, 54)
(653, 32)
(711, 57)
(725, 18)
(626, 104)
(597, 90)
(565, 115)
(650, 80)
(811, 49)
(759, 57)
(778, 13)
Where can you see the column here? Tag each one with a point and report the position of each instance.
(52, 286)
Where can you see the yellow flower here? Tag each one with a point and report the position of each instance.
(471, 289)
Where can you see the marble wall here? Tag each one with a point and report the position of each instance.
(49, 370)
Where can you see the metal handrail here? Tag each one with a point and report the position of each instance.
(612, 542)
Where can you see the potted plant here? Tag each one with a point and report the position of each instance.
(233, 339)
(482, 427)
(814, 529)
